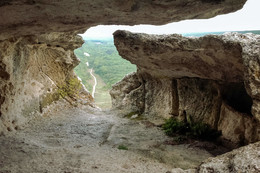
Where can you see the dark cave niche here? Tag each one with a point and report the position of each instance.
(235, 95)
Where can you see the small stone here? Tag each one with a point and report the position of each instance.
(134, 116)
(94, 167)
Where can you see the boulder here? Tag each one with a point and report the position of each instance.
(245, 159)
(128, 94)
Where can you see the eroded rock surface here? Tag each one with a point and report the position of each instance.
(212, 79)
(130, 88)
(30, 17)
(31, 69)
(174, 56)
(38, 38)
(244, 159)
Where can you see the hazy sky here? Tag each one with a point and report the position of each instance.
(248, 18)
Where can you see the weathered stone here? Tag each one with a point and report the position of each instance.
(140, 94)
(206, 79)
(23, 17)
(128, 95)
(179, 170)
(38, 39)
(35, 69)
(199, 100)
(245, 159)
(237, 127)
(158, 96)
(174, 56)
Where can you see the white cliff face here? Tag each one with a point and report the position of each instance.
(211, 79)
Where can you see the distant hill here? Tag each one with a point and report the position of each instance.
(200, 34)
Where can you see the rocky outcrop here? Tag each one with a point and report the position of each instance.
(174, 56)
(212, 79)
(244, 159)
(32, 69)
(130, 88)
(38, 38)
(31, 17)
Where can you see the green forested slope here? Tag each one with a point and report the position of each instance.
(81, 70)
(104, 60)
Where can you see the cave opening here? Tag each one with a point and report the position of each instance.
(235, 95)
(101, 66)
(77, 138)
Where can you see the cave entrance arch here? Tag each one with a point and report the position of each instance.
(101, 66)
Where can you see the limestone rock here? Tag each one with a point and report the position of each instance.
(140, 94)
(179, 170)
(159, 96)
(31, 17)
(245, 159)
(128, 95)
(199, 100)
(31, 69)
(237, 127)
(211, 79)
(174, 56)
(38, 39)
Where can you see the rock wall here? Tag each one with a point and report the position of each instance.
(33, 17)
(31, 69)
(212, 79)
(244, 159)
(37, 39)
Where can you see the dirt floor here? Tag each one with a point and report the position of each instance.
(68, 139)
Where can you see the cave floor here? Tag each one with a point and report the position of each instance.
(70, 139)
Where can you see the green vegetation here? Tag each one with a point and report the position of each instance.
(197, 130)
(70, 88)
(108, 67)
(48, 99)
(105, 61)
(173, 126)
(122, 147)
(129, 115)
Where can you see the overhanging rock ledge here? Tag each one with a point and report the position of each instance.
(213, 79)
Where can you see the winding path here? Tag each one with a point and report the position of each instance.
(95, 84)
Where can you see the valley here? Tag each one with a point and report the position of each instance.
(108, 67)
